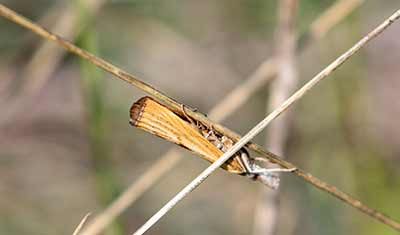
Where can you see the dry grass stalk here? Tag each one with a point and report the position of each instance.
(123, 75)
(145, 181)
(46, 58)
(175, 106)
(267, 208)
(229, 104)
(274, 114)
(80, 225)
(331, 17)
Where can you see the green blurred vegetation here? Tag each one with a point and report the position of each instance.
(107, 184)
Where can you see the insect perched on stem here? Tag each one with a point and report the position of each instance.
(151, 116)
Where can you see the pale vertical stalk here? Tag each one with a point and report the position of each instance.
(286, 80)
(225, 107)
(177, 107)
(274, 114)
(267, 208)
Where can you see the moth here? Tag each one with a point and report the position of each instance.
(151, 116)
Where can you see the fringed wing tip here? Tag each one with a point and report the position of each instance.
(137, 110)
(271, 180)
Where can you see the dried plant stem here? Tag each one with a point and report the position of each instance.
(313, 180)
(286, 80)
(261, 125)
(331, 17)
(266, 210)
(207, 172)
(106, 181)
(46, 58)
(267, 70)
(80, 225)
(121, 74)
(145, 181)
(176, 107)
(230, 103)
(169, 102)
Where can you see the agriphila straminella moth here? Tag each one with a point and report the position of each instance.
(151, 116)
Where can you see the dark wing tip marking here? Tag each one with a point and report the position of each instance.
(137, 109)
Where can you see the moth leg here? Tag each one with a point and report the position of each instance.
(212, 133)
(260, 159)
(211, 136)
(253, 169)
(245, 161)
(187, 116)
(271, 170)
(196, 124)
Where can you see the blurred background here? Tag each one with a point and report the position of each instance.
(66, 147)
